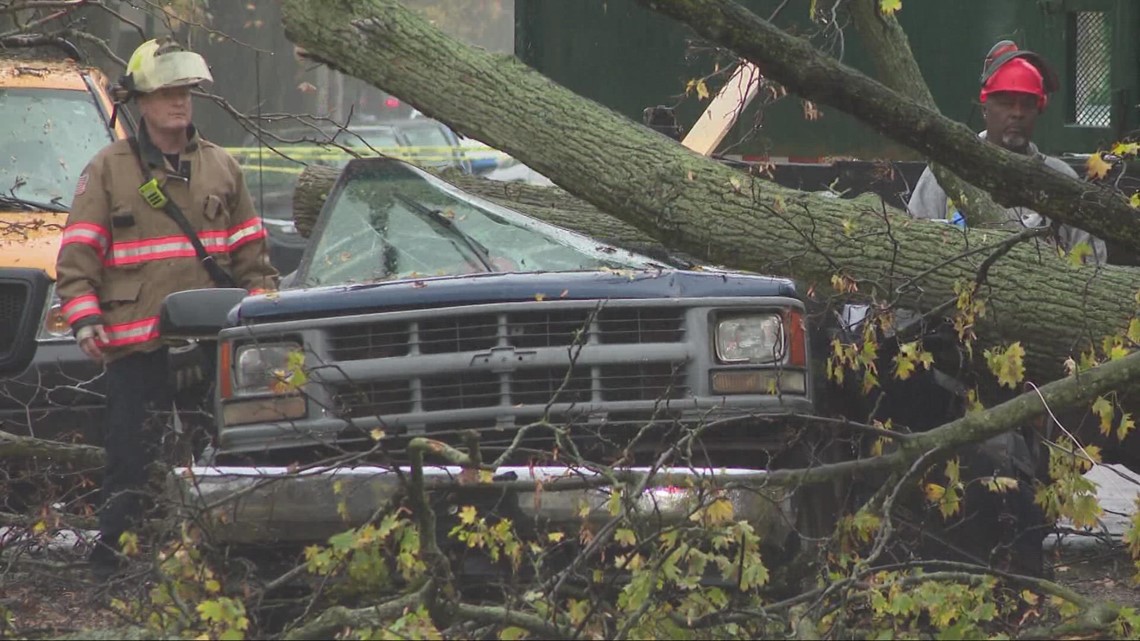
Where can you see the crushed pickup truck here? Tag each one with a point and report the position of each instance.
(420, 310)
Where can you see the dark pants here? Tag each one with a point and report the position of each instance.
(139, 398)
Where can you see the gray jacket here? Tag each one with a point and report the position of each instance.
(929, 200)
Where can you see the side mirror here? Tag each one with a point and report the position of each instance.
(198, 313)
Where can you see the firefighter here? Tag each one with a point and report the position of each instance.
(162, 212)
(1014, 90)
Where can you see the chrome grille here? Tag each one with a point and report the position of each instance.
(520, 329)
(14, 303)
(524, 387)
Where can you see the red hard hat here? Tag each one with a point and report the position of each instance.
(1018, 75)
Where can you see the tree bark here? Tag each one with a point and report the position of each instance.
(1013, 180)
(889, 48)
(701, 207)
(22, 447)
(309, 195)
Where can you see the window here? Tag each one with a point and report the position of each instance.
(1090, 65)
(47, 138)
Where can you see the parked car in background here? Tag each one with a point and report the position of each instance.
(272, 164)
(54, 116)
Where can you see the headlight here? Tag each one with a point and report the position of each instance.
(53, 325)
(752, 338)
(269, 367)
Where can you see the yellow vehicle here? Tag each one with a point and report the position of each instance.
(55, 114)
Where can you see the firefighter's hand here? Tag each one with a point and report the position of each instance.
(187, 365)
(91, 338)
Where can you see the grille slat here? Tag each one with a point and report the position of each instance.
(458, 334)
(542, 386)
(379, 398)
(467, 390)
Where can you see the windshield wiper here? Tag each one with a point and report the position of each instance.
(437, 218)
(32, 205)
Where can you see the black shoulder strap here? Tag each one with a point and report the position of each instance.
(152, 192)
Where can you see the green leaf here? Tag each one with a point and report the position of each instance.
(626, 537)
(512, 633)
(1080, 253)
(889, 7)
(1134, 331)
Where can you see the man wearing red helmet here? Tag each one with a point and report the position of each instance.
(1015, 84)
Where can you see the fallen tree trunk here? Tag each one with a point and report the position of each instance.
(701, 207)
(24, 447)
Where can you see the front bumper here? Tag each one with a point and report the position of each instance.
(245, 505)
(59, 395)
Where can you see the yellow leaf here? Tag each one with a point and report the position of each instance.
(129, 543)
(1134, 200)
(467, 514)
(1103, 408)
(702, 90)
(1126, 148)
(735, 184)
(999, 484)
(376, 434)
(540, 297)
(213, 587)
(719, 511)
(1007, 365)
(39, 527)
(1096, 167)
(486, 476)
(555, 537)
(626, 537)
(889, 7)
(953, 471)
(934, 492)
(1126, 426)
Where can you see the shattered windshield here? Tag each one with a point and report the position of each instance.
(391, 221)
(47, 138)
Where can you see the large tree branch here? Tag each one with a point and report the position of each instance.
(1014, 180)
(701, 207)
(13, 446)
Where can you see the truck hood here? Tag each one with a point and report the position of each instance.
(475, 289)
(30, 239)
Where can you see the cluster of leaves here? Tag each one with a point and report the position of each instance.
(189, 599)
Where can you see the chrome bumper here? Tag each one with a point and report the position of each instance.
(272, 504)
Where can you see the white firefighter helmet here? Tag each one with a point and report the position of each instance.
(162, 63)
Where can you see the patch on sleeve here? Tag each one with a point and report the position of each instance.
(81, 186)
